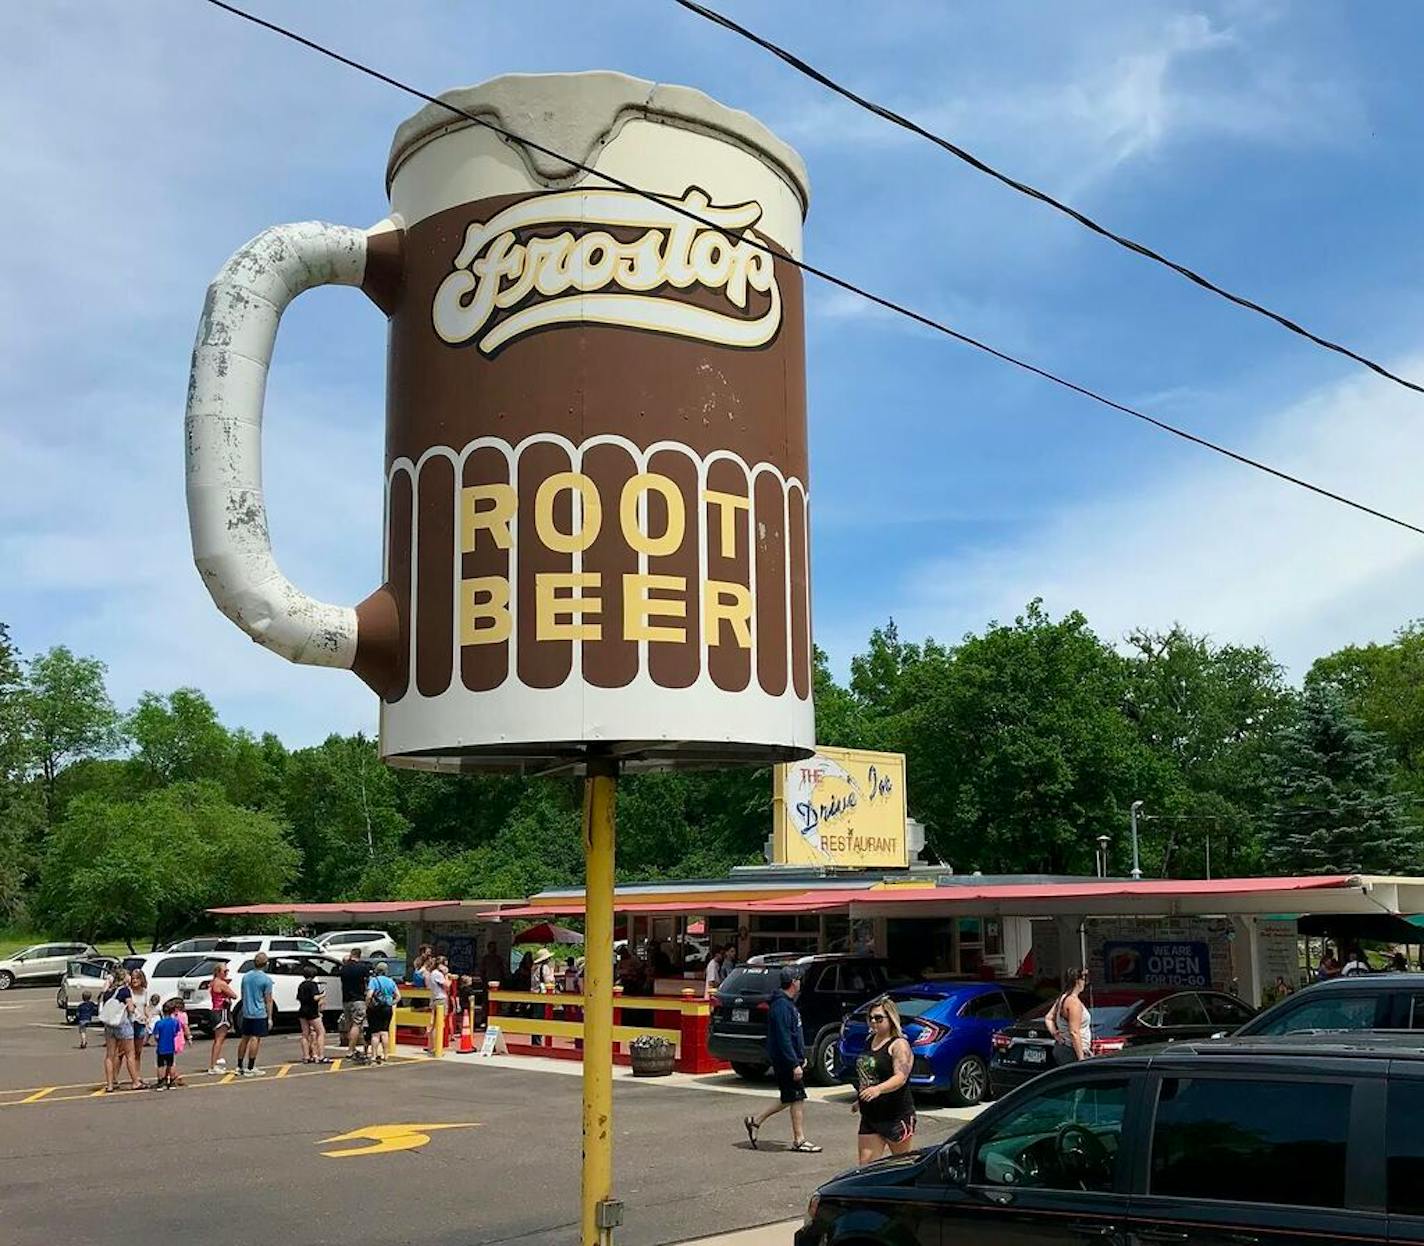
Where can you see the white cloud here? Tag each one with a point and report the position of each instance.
(1223, 549)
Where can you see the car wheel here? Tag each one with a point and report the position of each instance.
(7, 979)
(59, 998)
(749, 1072)
(970, 1084)
(821, 1068)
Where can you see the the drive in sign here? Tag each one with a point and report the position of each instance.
(1158, 964)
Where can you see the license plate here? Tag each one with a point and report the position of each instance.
(1035, 1055)
(741, 1016)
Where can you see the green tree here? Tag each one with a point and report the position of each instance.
(148, 868)
(342, 805)
(66, 715)
(1336, 811)
(178, 738)
(1383, 686)
(21, 817)
(1018, 750)
(1216, 714)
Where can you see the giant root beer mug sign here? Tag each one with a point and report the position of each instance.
(596, 501)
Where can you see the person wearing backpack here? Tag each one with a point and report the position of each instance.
(382, 995)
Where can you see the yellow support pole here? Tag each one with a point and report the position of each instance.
(598, 1211)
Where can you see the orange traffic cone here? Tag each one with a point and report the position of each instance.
(467, 1035)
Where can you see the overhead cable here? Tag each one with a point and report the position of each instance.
(830, 278)
(1138, 248)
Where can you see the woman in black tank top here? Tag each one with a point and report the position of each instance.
(887, 1108)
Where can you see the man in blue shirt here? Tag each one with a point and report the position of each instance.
(786, 1049)
(256, 1015)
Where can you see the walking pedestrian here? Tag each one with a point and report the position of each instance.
(382, 996)
(221, 994)
(84, 1017)
(437, 979)
(116, 1012)
(166, 1032)
(354, 973)
(1070, 1023)
(309, 1000)
(886, 1106)
(786, 1050)
(256, 1016)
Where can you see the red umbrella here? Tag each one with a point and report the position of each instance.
(544, 932)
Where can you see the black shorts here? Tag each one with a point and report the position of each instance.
(165, 1061)
(255, 1027)
(793, 1088)
(900, 1129)
(378, 1018)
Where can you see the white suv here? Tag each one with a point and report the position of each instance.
(374, 944)
(286, 973)
(44, 962)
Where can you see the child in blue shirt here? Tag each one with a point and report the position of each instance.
(165, 1041)
(85, 1015)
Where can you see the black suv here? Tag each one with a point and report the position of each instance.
(1366, 1001)
(1276, 1141)
(831, 987)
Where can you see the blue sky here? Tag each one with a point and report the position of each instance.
(1274, 147)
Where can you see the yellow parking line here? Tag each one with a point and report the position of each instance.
(336, 1065)
(39, 1094)
(93, 1094)
(228, 1077)
(284, 1070)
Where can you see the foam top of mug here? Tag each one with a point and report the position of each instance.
(578, 114)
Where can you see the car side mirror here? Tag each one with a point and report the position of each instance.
(953, 1164)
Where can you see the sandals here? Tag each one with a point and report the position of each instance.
(809, 1148)
(750, 1125)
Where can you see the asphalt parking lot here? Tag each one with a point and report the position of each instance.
(211, 1162)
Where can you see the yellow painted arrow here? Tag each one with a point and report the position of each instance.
(384, 1138)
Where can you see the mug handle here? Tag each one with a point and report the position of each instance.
(227, 512)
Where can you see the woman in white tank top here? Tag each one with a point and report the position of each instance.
(1069, 1020)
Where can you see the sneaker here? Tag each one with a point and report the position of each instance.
(256, 1072)
(220, 1066)
(240, 1071)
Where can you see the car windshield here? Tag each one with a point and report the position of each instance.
(1105, 1019)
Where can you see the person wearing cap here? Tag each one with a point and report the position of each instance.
(786, 1049)
(541, 982)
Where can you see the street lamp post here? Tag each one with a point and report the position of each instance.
(1136, 861)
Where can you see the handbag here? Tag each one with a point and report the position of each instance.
(113, 1012)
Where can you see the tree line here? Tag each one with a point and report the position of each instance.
(1024, 743)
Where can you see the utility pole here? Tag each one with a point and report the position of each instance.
(1136, 860)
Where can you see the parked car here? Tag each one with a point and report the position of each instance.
(41, 962)
(1388, 1001)
(286, 973)
(950, 1026)
(1123, 1017)
(831, 988)
(92, 974)
(202, 943)
(252, 944)
(1278, 1141)
(374, 944)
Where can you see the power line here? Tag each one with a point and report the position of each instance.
(828, 277)
(888, 114)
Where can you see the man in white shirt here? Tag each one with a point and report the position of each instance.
(714, 968)
(1356, 964)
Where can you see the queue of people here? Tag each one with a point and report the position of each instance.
(132, 1019)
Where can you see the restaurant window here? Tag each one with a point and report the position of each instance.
(1233, 1140)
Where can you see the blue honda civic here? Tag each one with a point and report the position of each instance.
(951, 1026)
